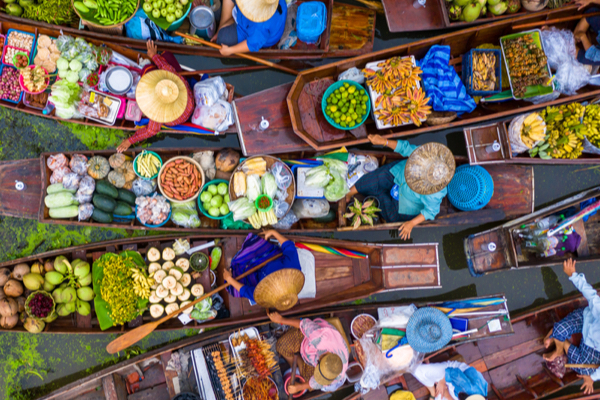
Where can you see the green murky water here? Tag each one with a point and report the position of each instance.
(31, 365)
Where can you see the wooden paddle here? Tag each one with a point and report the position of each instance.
(243, 55)
(555, 21)
(137, 334)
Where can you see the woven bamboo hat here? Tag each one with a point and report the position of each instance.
(258, 10)
(476, 397)
(279, 289)
(330, 366)
(162, 96)
(429, 168)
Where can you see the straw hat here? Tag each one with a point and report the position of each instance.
(279, 289)
(429, 168)
(476, 397)
(328, 369)
(162, 96)
(258, 10)
(428, 330)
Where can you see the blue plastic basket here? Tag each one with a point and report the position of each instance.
(23, 32)
(155, 226)
(295, 172)
(471, 188)
(311, 21)
(324, 104)
(467, 72)
(20, 95)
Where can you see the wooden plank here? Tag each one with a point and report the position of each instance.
(351, 29)
(513, 353)
(402, 16)
(170, 375)
(159, 392)
(523, 334)
(418, 255)
(109, 387)
(410, 277)
(323, 274)
(23, 203)
(583, 249)
(513, 189)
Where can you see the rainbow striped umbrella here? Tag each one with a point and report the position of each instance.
(330, 250)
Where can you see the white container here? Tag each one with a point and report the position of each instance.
(252, 333)
(354, 319)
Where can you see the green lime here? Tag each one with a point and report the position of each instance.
(335, 100)
(352, 89)
(345, 95)
(337, 120)
(343, 124)
(342, 89)
(346, 84)
(337, 114)
(354, 116)
(351, 124)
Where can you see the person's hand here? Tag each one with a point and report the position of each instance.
(377, 140)
(588, 384)
(152, 48)
(269, 234)
(569, 267)
(405, 229)
(440, 388)
(125, 144)
(226, 50)
(293, 389)
(581, 4)
(215, 36)
(275, 317)
(227, 274)
(579, 36)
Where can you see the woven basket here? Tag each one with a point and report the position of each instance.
(440, 117)
(112, 30)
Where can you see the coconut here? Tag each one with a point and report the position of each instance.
(514, 6)
(34, 325)
(455, 12)
(9, 322)
(4, 276)
(8, 307)
(38, 268)
(21, 303)
(197, 290)
(20, 271)
(498, 9)
(83, 308)
(54, 277)
(62, 265)
(82, 269)
(49, 265)
(62, 310)
(2, 295)
(86, 280)
(471, 12)
(48, 287)
(168, 254)
(85, 293)
(69, 295)
(13, 288)
(33, 281)
(153, 254)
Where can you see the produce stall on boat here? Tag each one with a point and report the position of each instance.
(543, 238)
(303, 211)
(349, 30)
(343, 271)
(403, 84)
(201, 374)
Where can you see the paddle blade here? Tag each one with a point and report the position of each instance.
(131, 337)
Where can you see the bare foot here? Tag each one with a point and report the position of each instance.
(553, 355)
(548, 340)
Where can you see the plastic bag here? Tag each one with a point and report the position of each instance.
(281, 195)
(142, 187)
(559, 46)
(152, 210)
(57, 161)
(64, 42)
(311, 208)
(318, 176)
(71, 181)
(289, 37)
(337, 188)
(209, 91)
(281, 208)
(352, 74)
(241, 208)
(514, 133)
(206, 159)
(572, 77)
(78, 164)
(287, 221)
(269, 186)
(59, 174)
(253, 187)
(229, 223)
(83, 198)
(87, 185)
(282, 175)
(185, 215)
(85, 211)
(218, 116)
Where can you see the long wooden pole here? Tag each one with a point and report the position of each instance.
(555, 21)
(243, 55)
(137, 334)
(225, 70)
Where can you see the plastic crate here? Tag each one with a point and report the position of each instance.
(311, 21)
(10, 61)
(20, 95)
(26, 33)
(467, 72)
(471, 188)
(295, 172)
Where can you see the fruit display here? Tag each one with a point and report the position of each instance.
(105, 12)
(471, 10)
(12, 301)
(35, 79)
(165, 10)
(564, 132)
(396, 93)
(527, 63)
(533, 130)
(147, 165)
(484, 71)
(215, 198)
(180, 179)
(347, 105)
(591, 120)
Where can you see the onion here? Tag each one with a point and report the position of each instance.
(8, 307)
(20, 271)
(13, 288)
(9, 322)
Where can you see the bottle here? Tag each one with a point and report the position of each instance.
(48, 109)
(542, 244)
(419, 3)
(493, 148)
(548, 222)
(20, 185)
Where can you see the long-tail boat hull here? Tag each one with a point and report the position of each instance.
(339, 279)
(164, 386)
(304, 98)
(511, 251)
(513, 196)
(350, 32)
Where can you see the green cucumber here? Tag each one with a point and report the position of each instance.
(127, 196)
(60, 199)
(64, 212)
(58, 187)
(100, 216)
(81, 7)
(106, 188)
(104, 203)
(122, 209)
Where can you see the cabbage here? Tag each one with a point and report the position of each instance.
(185, 218)
(253, 189)
(62, 64)
(269, 186)
(337, 188)
(337, 165)
(62, 73)
(72, 76)
(242, 209)
(64, 96)
(317, 177)
(75, 65)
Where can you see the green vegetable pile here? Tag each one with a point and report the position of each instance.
(330, 176)
(57, 12)
(116, 302)
(106, 12)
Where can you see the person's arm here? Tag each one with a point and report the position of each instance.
(588, 383)
(299, 387)
(226, 18)
(241, 47)
(273, 233)
(278, 319)
(399, 146)
(141, 134)
(584, 3)
(581, 284)
(406, 228)
(231, 280)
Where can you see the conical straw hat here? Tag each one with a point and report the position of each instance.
(258, 10)
(280, 289)
(429, 168)
(330, 366)
(162, 96)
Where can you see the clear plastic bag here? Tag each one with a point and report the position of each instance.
(514, 133)
(152, 210)
(281, 195)
(269, 186)
(87, 185)
(78, 164)
(185, 215)
(206, 159)
(287, 221)
(559, 46)
(64, 42)
(218, 116)
(57, 161)
(352, 74)
(281, 207)
(571, 77)
(84, 56)
(71, 181)
(85, 211)
(142, 187)
(83, 198)
(253, 187)
(282, 175)
(311, 208)
(209, 91)
(59, 174)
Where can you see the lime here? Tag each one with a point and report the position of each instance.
(335, 100)
(345, 110)
(354, 116)
(337, 114)
(333, 108)
(346, 84)
(351, 124)
(345, 95)
(216, 201)
(224, 209)
(337, 120)
(342, 89)
(226, 199)
(214, 211)
(352, 89)
(206, 205)
(343, 124)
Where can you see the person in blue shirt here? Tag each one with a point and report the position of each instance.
(289, 259)
(421, 182)
(583, 320)
(250, 25)
(590, 53)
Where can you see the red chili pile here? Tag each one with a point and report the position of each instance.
(264, 203)
(40, 305)
(180, 180)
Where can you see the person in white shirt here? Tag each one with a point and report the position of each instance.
(452, 380)
(584, 320)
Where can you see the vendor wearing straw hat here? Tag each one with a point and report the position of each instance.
(421, 181)
(324, 353)
(163, 96)
(277, 284)
(250, 25)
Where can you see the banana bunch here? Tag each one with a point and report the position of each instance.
(591, 120)
(533, 129)
(141, 283)
(564, 132)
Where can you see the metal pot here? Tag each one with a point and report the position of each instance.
(202, 22)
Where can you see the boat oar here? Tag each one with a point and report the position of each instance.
(243, 55)
(137, 334)
(555, 21)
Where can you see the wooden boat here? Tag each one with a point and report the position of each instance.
(304, 98)
(350, 32)
(134, 55)
(511, 252)
(513, 195)
(162, 384)
(339, 279)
